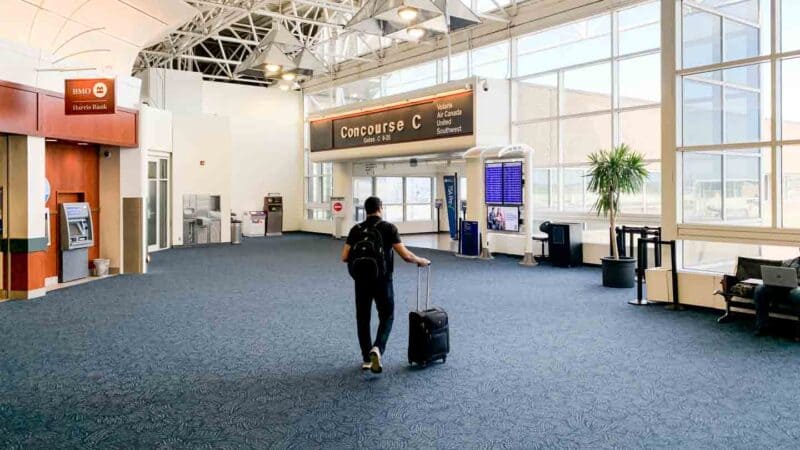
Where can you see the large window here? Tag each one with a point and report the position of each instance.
(733, 126)
(576, 93)
(390, 191)
(419, 199)
(318, 184)
(405, 199)
(491, 61)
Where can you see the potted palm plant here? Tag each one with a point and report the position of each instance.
(613, 173)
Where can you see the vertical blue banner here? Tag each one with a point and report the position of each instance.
(451, 197)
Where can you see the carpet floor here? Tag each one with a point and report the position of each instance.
(255, 346)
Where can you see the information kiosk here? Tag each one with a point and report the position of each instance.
(77, 235)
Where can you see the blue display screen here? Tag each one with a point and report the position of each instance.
(494, 183)
(512, 183)
(503, 183)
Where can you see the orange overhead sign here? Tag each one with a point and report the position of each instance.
(89, 96)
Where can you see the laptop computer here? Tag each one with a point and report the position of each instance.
(785, 277)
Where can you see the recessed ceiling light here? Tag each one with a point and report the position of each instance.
(407, 13)
(288, 76)
(82, 143)
(272, 68)
(416, 33)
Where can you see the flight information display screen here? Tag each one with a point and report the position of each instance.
(512, 183)
(494, 183)
(503, 183)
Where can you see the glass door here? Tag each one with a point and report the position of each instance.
(158, 203)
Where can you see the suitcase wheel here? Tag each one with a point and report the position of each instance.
(444, 359)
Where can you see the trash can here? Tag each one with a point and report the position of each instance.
(236, 231)
(101, 267)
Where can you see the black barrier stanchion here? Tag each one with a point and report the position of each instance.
(641, 270)
(641, 267)
(626, 234)
(675, 305)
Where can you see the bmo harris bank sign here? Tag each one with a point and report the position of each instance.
(441, 117)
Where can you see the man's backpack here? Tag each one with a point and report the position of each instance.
(367, 260)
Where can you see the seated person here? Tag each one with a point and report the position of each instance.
(766, 295)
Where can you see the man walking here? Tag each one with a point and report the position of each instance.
(369, 254)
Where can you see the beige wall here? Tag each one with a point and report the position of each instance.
(110, 225)
(201, 164)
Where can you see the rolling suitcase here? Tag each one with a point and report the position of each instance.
(428, 332)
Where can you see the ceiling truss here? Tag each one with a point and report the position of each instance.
(225, 33)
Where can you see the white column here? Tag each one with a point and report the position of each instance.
(343, 187)
(669, 125)
(26, 203)
(527, 230)
(110, 225)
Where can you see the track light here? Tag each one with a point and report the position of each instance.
(288, 76)
(416, 33)
(272, 68)
(407, 13)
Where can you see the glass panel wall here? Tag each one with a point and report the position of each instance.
(576, 94)
(318, 188)
(734, 128)
(725, 117)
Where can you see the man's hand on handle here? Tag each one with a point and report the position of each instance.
(409, 257)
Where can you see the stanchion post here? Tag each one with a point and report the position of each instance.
(657, 234)
(641, 266)
(675, 305)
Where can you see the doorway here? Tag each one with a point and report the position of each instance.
(158, 202)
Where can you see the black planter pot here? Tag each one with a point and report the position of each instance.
(619, 273)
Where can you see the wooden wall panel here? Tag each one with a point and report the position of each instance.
(29, 271)
(35, 112)
(73, 171)
(110, 129)
(18, 110)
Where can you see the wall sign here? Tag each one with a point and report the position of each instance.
(89, 96)
(430, 119)
(337, 207)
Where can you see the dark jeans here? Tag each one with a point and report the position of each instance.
(766, 295)
(383, 294)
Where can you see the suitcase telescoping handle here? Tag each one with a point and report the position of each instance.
(427, 286)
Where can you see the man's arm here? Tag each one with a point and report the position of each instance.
(408, 256)
(345, 252)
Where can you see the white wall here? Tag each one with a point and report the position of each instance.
(492, 112)
(201, 164)
(266, 129)
(250, 138)
(173, 90)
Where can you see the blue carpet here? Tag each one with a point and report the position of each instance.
(255, 346)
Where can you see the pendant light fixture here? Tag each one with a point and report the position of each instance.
(288, 76)
(272, 68)
(416, 33)
(407, 13)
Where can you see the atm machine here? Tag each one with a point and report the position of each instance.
(77, 235)
(273, 206)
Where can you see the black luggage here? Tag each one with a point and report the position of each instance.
(428, 332)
